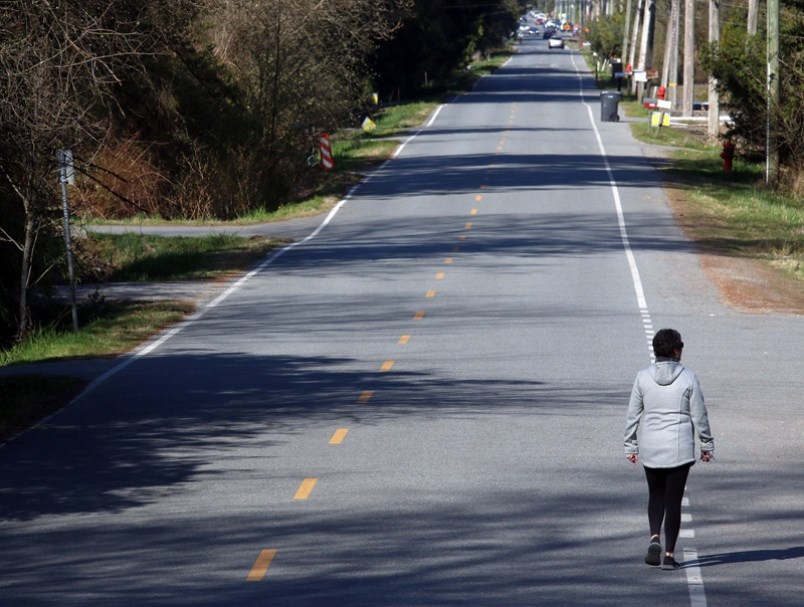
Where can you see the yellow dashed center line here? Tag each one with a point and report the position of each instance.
(305, 489)
(478, 198)
(430, 294)
(260, 567)
(338, 436)
(387, 366)
(448, 261)
(419, 315)
(462, 237)
(365, 396)
(473, 212)
(440, 275)
(467, 225)
(404, 340)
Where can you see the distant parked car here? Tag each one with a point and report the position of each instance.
(555, 42)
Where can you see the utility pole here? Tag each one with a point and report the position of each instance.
(714, 103)
(626, 30)
(634, 38)
(753, 17)
(689, 58)
(676, 36)
(771, 149)
(647, 40)
(668, 48)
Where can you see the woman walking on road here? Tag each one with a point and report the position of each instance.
(666, 410)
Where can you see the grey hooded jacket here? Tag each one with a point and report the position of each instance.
(665, 411)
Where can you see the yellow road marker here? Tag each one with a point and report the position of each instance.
(431, 294)
(441, 275)
(387, 366)
(478, 198)
(365, 396)
(338, 436)
(403, 340)
(305, 489)
(473, 212)
(260, 567)
(467, 225)
(462, 237)
(448, 261)
(419, 315)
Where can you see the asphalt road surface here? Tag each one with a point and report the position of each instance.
(423, 404)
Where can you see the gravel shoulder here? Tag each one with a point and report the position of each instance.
(746, 285)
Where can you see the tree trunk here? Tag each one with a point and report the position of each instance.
(24, 322)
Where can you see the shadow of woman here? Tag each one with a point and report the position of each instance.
(748, 556)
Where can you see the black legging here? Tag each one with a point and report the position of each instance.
(665, 490)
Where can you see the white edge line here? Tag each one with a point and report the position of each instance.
(695, 583)
(173, 331)
(434, 116)
(430, 122)
(629, 254)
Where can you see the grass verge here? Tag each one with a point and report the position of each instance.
(731, 214)
(142, 257)
(107, 329)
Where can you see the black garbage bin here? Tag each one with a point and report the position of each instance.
(609, 104)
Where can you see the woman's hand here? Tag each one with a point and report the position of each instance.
(632, 457)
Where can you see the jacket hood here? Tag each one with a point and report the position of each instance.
(665, 372)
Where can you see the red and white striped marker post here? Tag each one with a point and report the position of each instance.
(327, 162)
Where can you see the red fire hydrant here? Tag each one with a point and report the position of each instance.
(727, 155)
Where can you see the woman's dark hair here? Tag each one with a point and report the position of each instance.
(666, 342)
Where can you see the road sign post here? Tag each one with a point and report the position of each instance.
(64, 159)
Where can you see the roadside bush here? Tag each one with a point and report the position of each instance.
(739, 63)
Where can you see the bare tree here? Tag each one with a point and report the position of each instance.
(294, 66)
(59, 63)
(301, 61)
